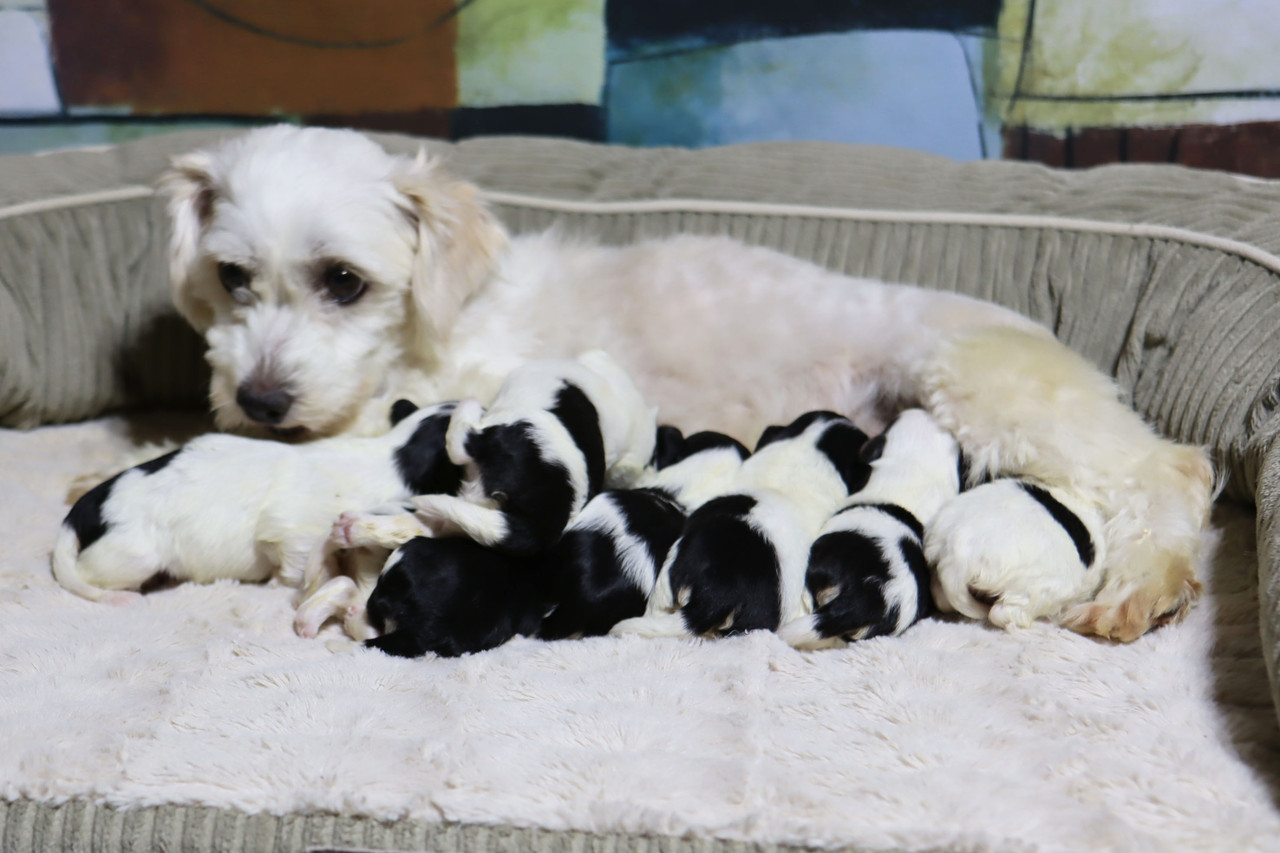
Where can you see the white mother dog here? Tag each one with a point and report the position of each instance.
(330, 277)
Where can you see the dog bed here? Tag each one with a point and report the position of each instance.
(196, 720)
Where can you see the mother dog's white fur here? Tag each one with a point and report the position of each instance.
(719, 334)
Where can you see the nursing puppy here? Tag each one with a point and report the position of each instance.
(1013, 551)
(558, 432)
(867, 574)
(451, 597)
(225, 506)
(739, 564)
(454, 596)
(602, 569)
(330, 277)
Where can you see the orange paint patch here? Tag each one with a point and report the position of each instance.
(237, 57)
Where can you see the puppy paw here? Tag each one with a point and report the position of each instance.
(307, 624)
(122, 598)
(369, 530)
(356, 624)
(341, 532)
(326, 602)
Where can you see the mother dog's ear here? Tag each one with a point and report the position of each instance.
(188, 187)
(458, 245)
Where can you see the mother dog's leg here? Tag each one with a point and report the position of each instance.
(1024, 404)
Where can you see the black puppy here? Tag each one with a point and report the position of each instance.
(451, 597)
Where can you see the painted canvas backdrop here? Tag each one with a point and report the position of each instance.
(1067, 82)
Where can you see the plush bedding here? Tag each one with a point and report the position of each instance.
(954, 734)
(196, 720)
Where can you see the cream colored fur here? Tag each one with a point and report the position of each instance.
(1024, 405)
(718, 334)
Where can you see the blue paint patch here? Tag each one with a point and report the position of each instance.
(905, 88)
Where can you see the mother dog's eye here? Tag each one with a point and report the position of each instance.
(233, 276)
(342, 284)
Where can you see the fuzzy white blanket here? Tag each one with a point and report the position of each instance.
(954, 734)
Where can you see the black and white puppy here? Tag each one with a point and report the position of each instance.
(225, 506)
(867, 575)
(451, 597)
(558, 432)
(337, 580)
(1014, 551)
(739, 564)
(603, 568)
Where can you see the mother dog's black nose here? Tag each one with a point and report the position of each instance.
(264, 406)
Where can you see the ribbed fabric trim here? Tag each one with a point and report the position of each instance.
(65, 202)
(910, 217)
(32, 827)
(744, 208)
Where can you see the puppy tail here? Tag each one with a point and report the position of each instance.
(950, 582)
(652, 626)
(66, 569)
(464, 421)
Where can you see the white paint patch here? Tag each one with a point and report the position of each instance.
(26, 71)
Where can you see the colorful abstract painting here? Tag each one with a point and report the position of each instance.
(1067, 82)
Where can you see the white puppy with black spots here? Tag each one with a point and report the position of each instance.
(225, 506)
(1013, 551)
(558, 432)
(739, 564)
(867, 575)
(603, 568)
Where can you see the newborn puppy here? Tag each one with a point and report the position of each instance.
(225, 506)
(866, 573)
(1013, 551)
(558, 432)
(451, 597)
(603, 568)
(740, 563)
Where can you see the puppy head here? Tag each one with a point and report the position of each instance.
(315, 263)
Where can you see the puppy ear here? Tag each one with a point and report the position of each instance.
(769, 436)
(458, 245)
(401, 409)
(188, 187)
(873, 449)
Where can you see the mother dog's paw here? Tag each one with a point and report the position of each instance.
(1125, 611)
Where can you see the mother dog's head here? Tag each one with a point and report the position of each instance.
(317, 265)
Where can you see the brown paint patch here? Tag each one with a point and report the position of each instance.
(1249, 149)
(1151, 144)
(1095, 146)
(418, 123)
(235, 57)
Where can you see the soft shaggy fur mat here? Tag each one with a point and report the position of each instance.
(953, 735)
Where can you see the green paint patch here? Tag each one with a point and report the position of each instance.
(1107, 49)
(530, 51)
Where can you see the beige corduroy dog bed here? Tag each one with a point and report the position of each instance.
(199, 721)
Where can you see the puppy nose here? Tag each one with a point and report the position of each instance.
(266, 406)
